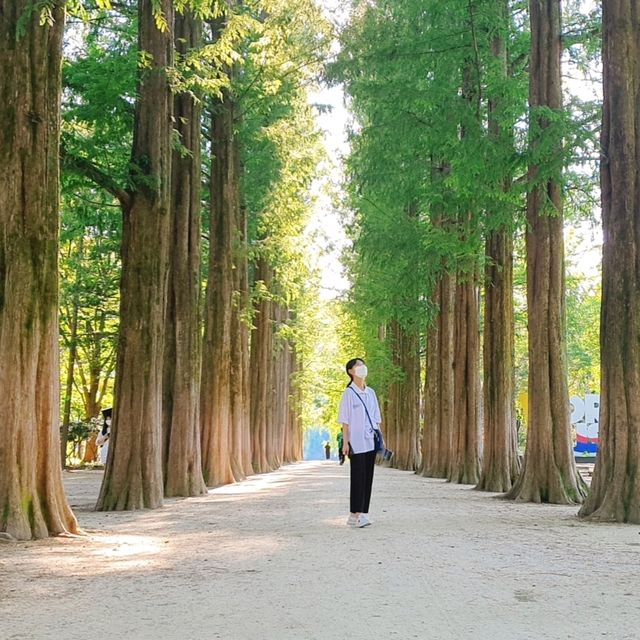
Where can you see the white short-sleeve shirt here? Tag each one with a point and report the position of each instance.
(352, 412)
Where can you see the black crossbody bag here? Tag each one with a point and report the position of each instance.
(378, 440)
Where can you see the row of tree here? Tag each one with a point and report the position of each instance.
(464, 141)
(188, 148)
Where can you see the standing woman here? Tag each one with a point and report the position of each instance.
(359, 415)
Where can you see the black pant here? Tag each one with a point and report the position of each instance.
(362, 465)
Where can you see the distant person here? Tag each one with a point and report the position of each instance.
(103, 437)
(327, 451)
(359, 415)
(341, 455)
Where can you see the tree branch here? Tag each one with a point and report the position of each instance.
(84, 167)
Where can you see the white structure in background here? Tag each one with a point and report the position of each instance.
(585, 414)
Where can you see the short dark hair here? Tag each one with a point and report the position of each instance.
(350, 365)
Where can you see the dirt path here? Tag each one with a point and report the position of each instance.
(272, 559)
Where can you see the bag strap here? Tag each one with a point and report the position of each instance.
(365, 408)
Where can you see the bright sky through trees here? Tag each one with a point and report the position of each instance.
(327, 223)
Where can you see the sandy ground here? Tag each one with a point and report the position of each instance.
(271, 558)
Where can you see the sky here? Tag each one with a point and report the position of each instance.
(327, 223)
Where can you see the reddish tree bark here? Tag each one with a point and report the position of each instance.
(500, 464)
(224, 404)
(465, 462)
(293, 434)
(615, 490)
(261, 369)
(500, 461)
(403, 409)
(240, 357)
(549, 473)
(437, 440)
(32, 499)
(430, 429)
(215, 403)
(182, 463)
(133, 475)
(279, 418)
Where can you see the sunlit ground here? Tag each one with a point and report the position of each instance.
(272, 558)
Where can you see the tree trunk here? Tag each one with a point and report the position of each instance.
(439, 391)
(32, 499)
(465, 461)
(615, 490)
(133, 475)
(260, 369)
(403, 412)
(279, 390)
(182, 463)
(447, 379)
(430, 429)
(68, 387)
(500, 461)
(549, 473)
(90, 390)
(240, 403)
(221, 310)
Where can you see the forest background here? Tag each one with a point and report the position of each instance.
(90, 264)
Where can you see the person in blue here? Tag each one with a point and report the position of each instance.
(359, 415)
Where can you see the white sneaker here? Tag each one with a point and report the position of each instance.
(351, 520)
(362, 521)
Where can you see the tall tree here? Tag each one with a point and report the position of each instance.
(240, 436)
(133, 475)
(181, 388)
(549, 473)
(293, 433)
(281, 366)
(32, 500)
(222, 309)
(402, 415)
(261, 368)
(465, 460)
(438, 430)
(500, 461)
(615, 490)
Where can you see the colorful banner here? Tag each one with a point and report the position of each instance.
(585, 414)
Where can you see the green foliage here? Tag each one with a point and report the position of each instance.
(583, 338)
(425, 176)
(79, 432)
(583, 299)
(90, 274)
(281, 150)
(440, 150)
(439, 155)
(275, 50)
(99, 76)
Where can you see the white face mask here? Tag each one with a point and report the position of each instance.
(361, 371)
